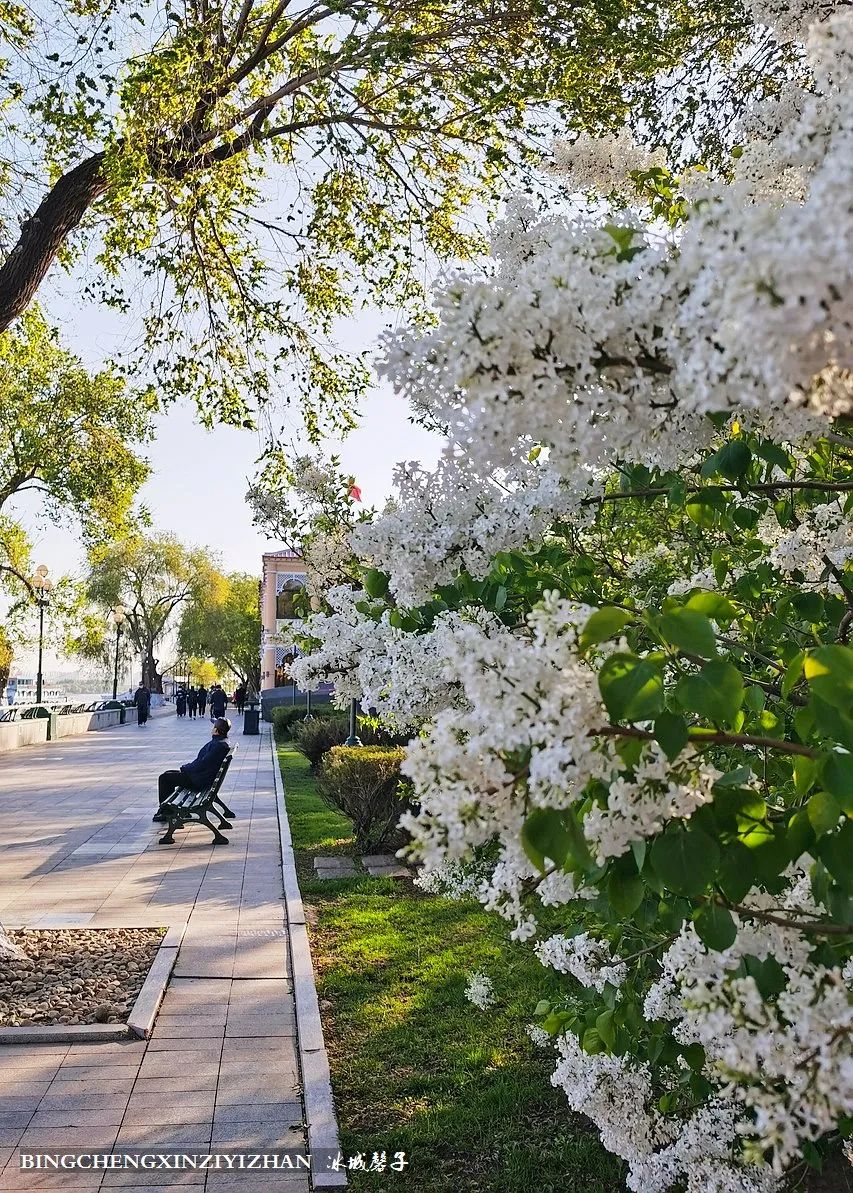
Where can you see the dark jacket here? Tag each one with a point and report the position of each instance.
(202, 770)
(202, 695)
(142, 698)
(218, 702)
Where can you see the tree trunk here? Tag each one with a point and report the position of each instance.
(44, 233)
(151, 677)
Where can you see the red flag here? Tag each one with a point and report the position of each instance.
(355, 492)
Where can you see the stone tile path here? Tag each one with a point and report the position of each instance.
(77, 846)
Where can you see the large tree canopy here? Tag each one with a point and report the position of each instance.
(252, 168)
(67, 435)
(224, 625)
(151, 577)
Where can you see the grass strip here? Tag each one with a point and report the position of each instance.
(415, 1067)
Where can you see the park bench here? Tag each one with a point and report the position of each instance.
(185, 806)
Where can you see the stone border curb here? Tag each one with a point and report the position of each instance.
(313, 1059)
(140, 1020)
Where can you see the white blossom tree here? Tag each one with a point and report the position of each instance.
(619, 611)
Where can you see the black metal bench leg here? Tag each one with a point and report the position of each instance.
(168, 837)
(218, 838)
(223, 823)
(226, 810)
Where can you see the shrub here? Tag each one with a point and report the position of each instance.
(314, 737)
(331, 728)
(284, 716)
(363, 782)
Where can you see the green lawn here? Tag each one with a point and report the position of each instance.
(415, 1067)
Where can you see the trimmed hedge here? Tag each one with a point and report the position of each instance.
(285, 715)
(364, 783)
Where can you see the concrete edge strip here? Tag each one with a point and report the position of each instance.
(320, 1115)
(139, 1021)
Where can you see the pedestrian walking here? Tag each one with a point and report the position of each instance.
(192, 702)
(181, 702)
(218, 702)
(240, 698)
(142, 700)
(202, 699)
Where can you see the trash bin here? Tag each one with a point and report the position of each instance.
(252, 718)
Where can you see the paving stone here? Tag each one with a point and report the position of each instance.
(289, 1113)
(395, 871)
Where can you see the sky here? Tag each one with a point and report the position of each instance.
(199, 477)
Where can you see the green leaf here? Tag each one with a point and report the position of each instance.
(755, 698)
(793, 672)
(685, 861)
(544, 835)
(625, 892)
(715, 927)
(809, 605)
(805, 773)
(671, 733)
(631, 687)
(689, 630)
(737, 871)
(591, 1041)
(603, 624)
(606, 1028)
(836, 853)
(768, 975)
(801, 836)
(837, 778)
(716, 692)
(829, 670)
(694, 1054)
(733, 460)
(823, 812)
(713, 605)
(375, 583)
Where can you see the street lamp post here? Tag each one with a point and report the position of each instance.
(43, 588)
(353, 739)
(308, 705)
(118, 618)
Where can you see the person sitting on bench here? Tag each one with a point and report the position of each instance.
(199, 773)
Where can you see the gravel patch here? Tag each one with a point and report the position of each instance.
(75, 975)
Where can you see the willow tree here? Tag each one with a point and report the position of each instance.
(225, 626)
(151, 577)
(249, 170)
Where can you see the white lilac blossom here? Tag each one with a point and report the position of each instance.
(585, 958)
(570, 355)
(790, 1061)
(480, 991)
(538, 1036)
(602, 164)
(595, 355)
(820, 545)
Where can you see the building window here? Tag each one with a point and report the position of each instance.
(286, 589)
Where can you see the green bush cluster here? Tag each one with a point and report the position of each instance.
(316, 736)
(364, 783)
(285, 716)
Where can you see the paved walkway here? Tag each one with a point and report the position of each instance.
(77, 846)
